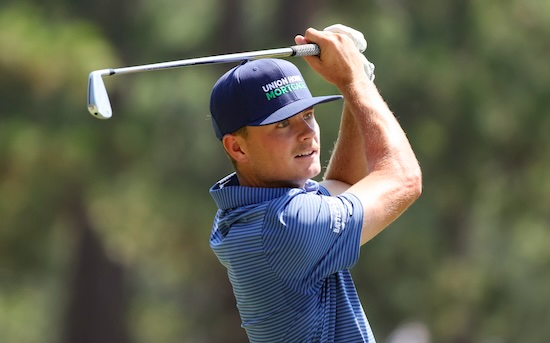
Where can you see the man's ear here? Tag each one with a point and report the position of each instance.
(233, 145)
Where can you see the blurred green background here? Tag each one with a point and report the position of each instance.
(104, 225)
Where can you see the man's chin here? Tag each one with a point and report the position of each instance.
(314, 171)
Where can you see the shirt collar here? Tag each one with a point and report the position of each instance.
(228, 194)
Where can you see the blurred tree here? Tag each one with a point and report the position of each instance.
(97, 296)
(294, 17)
(43, 154)
(468, 81)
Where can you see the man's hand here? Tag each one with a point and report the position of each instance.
(360, 43)
(340, 62)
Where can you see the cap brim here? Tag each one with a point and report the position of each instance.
(293, 109)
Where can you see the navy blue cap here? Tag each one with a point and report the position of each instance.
(260, 92)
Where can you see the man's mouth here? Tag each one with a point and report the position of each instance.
(306, 153)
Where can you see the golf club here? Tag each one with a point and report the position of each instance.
(98, 100)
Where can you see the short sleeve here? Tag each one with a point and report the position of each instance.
(312, 236)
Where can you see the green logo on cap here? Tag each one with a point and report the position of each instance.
(285, 85)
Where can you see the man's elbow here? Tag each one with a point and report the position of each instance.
(413, 183)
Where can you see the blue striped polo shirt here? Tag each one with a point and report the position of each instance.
(287, 252)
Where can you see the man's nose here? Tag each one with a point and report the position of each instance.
(307, 127)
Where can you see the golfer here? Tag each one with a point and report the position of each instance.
(286, 240)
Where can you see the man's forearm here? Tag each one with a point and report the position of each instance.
(376, 128)
(365, 136)
(348, 161)
(393, 181)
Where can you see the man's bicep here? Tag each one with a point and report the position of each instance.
(383, 202)
(377, 201)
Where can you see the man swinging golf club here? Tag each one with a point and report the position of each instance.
(288, 241)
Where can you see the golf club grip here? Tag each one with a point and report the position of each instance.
(306, 50)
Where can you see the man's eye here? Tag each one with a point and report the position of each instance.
(282, 123)
(308, 115)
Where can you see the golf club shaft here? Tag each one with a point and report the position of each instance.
(98, 99)
(296, 50)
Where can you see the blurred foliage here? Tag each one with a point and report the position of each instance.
(468, 80)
